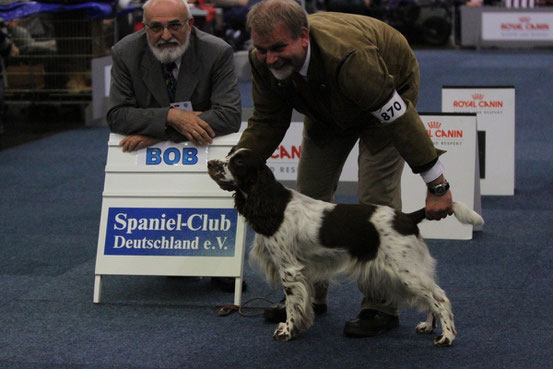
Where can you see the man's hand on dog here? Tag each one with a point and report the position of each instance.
(438, 207)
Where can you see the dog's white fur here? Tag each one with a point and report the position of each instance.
(401, 273)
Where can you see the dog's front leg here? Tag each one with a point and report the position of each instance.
(427, 326)
(299, 310)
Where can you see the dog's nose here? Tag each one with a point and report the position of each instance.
(210, 164)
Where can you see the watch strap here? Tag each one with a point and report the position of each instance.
(439, 189)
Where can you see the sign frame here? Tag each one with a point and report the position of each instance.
(130, 185)
(496, 130)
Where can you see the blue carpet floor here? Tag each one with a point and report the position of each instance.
(500, 283)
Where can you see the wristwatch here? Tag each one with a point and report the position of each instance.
(439, 189)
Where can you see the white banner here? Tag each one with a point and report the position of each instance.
(517, 26)
(285, 159)
(495, 109)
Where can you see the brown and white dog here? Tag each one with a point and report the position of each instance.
(300, 240)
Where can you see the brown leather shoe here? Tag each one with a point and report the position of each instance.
(370, 323)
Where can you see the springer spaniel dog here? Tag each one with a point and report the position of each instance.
(300, 240)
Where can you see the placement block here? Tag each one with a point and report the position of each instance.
(455, 133)
(163, 215)
(495, 109)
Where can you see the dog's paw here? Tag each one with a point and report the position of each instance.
(282, 333)
(424, 328)
(444, 340)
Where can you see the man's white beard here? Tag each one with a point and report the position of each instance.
(283, 73)
(169, 55)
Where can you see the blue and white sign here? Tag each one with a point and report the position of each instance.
(162, 215)
(171, 232)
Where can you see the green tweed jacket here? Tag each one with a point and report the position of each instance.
(356, 64)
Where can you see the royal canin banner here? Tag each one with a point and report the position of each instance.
(285, 159)
(517, 26)
(495, 109)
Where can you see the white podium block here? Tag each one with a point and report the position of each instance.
(455, 133)
(495, 109)
(163, 215)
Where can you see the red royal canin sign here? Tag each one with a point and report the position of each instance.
(517, 26)
(478, 101)
(435, 130)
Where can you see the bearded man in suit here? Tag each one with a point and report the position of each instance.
(355, 79)
(167, 63)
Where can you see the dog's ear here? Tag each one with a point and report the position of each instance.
(245, 166)
(247, 158)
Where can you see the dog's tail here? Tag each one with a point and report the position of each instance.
(466, 215)
(463, 213)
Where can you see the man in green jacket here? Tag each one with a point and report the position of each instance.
(354, 78)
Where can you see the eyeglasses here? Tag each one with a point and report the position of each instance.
(172, 27)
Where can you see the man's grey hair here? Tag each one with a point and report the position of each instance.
(266, 15)
(148, 2)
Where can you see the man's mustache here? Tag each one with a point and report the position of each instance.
(168, 42)
(278, 64)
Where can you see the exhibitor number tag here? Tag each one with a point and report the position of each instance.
(392, 110)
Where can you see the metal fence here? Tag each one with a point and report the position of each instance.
(54, 60)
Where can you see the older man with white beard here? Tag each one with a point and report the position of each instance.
(167, 63)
